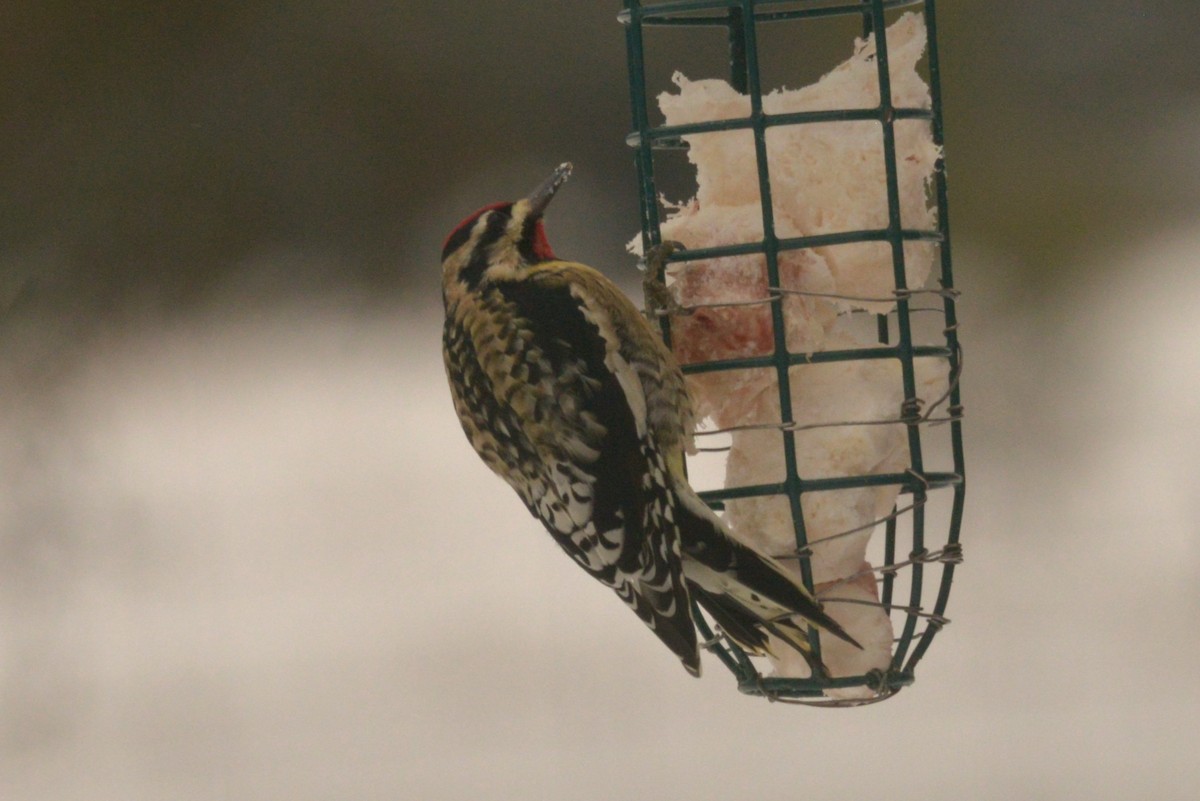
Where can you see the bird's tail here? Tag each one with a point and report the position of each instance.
(748, 594)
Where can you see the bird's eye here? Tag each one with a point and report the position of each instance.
(497, 221)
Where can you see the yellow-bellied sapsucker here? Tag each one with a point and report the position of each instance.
(568, 394)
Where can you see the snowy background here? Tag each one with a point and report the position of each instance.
(246, 553)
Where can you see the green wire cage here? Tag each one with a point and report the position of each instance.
(916, 546)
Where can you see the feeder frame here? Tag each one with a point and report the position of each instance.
(741, 19)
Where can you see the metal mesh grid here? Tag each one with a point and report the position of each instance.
(911, 547)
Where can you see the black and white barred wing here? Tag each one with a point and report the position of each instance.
(560, 415)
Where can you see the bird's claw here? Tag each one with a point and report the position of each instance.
(658, 255)
(659, 299)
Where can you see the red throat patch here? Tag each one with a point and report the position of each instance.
(541, 245)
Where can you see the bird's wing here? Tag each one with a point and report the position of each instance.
(591, 471)
(659, 381)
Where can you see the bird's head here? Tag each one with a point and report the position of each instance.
(496, 242)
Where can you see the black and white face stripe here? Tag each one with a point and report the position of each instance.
(496, 225)
(482, 232)
(459, 236)
(494, 220)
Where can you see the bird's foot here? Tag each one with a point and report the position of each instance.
(659, 300)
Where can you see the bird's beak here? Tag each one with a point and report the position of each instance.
(540, 198)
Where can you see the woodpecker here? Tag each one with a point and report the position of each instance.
(566, 392)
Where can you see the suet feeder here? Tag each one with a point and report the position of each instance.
(910, 551)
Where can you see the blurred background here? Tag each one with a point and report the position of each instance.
(245, 551)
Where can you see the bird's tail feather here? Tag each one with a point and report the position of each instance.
(763, 575)
(750, 632)
(737, 622)
(748, 594)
